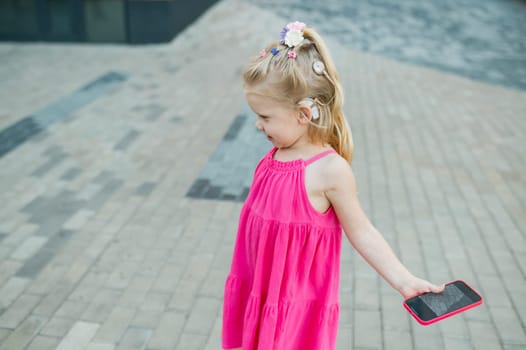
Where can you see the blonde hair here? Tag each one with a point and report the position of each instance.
(289, 80)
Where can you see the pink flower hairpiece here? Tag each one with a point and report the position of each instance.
(292, 54)
(262, 53)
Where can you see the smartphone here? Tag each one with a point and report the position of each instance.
(429, 308)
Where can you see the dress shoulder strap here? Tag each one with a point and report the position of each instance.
(319, 156)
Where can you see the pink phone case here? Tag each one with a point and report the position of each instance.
(449, 314)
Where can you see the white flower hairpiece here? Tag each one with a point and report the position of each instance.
(292, 34)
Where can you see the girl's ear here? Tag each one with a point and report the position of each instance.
(304, 114)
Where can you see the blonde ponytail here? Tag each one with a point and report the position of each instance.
(291, 77)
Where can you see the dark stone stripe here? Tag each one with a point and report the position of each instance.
(228, 173)
(127, 140)
(70, 174)
(37, 262)
(18, 133)
(234, 128)
(23, 130)
(145, 189)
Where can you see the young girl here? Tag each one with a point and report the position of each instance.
(282, 290)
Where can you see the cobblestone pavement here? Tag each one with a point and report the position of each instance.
(122, 169)
(482, 40)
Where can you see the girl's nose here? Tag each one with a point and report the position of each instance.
(259, 126)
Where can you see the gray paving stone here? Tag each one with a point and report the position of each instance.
(79, 336)
(201, 318)
(244, 146)
(41, 258)
(168, 332)
(128, 139)
(156, 301)
(78, 220)
(7, 269)
(104, 194)
(29, 247)
(57, 327)
(47, 166)
(98, 346)
(101, 306)
(508, 325)
(73, 309)
(18, 133)
(192, 341)
(135, 338)
(23, 334)
(54, 300)
(368, 330)
(18, 311)
(4, 333)
(43, 343)
(457, 343)
(394, 340)
(145, 189)
(146, 319)
(71, 174)
(11, 290)
(115, 326)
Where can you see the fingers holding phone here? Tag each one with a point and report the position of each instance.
(420, 286)
(456, 297)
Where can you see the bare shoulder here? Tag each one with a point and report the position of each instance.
(337, 171)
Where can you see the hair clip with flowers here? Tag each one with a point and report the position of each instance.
(292, 34)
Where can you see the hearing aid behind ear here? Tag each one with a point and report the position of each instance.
(309, 102)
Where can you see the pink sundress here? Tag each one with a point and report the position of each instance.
(282, 290)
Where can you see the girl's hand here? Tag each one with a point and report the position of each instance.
(418, 286)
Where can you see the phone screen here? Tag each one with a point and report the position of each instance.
(455, 296)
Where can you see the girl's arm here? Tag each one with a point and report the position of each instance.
(364, 237)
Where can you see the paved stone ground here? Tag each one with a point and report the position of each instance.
(103, 246)
(483, 40)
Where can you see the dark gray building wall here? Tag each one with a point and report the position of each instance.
(119, 21)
